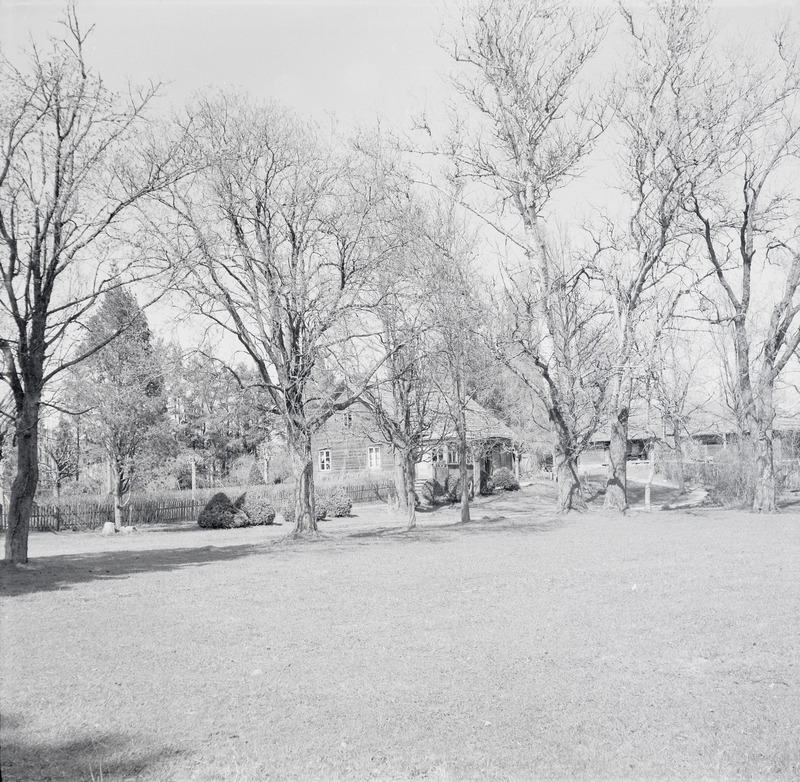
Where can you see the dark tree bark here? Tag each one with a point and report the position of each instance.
(23, 488)
(305, 512)
(616, 482)
(570, 492)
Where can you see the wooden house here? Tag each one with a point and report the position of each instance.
(350, 442)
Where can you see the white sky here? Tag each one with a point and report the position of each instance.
(359, 60)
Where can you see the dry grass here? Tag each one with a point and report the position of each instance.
(521, 646)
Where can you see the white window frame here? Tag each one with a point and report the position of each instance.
(452, 454)
(324, 459)
(374, 457)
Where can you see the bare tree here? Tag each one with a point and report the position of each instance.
(661, 74)
(527, 131)
(573, 384)
(74, 168)
(455, 311)
(401, 399)
(282, 230)
(744, 201)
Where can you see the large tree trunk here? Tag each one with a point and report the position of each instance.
(765, 496)
(616, 482)
(304, 511)
(570, 493)
(23, 489)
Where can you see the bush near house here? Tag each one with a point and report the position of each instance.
(260, 508)
(432, 492)
(338, 503)
(503, 478)
(221, 513)
(454, 489)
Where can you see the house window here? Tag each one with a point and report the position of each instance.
(325, 459)
(452, 454)
(348, 420)
(374, 457)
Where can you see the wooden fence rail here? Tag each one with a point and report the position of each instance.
(82, 515)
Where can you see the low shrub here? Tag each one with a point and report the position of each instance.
(454, 489)
(219, 512)
(432, 492)
(338, 503)
(503, 478)
(487, 485)
(260, 509)
(287, 510)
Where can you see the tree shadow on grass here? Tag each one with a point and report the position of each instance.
(109, 757)
(61, 571)
(520, 524)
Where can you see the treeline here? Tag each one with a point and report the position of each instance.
(423, 271)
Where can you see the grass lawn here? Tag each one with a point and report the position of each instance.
(661, 645)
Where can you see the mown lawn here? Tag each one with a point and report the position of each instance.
(522, 646)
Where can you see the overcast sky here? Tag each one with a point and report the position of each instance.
(357, 59)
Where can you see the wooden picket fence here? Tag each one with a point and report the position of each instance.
(83, 515)
(92, 515)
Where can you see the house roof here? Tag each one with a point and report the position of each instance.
(481, 425)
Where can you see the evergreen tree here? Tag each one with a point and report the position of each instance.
(122, 387)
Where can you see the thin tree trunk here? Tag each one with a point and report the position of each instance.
(118, 483)
(400, 480)
(411, 497)
(616, 483)
(23, 489)
(680, 473)
(651, 474)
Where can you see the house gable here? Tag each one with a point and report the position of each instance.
(349, 442)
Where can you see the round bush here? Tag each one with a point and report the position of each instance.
(219, 512)
(260, 509)
(432, 491)
(286, 510)
(487, 485)
(454, 489)
(503, 478)
(338, 503)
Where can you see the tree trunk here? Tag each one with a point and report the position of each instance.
(570, 493)
(680, 475)
(462, 461)
(400, 480)
(616, 482)
(651, 474)
(118, 484)
(765, 498)
(411, 497)
(23, 489)
(304, 510)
